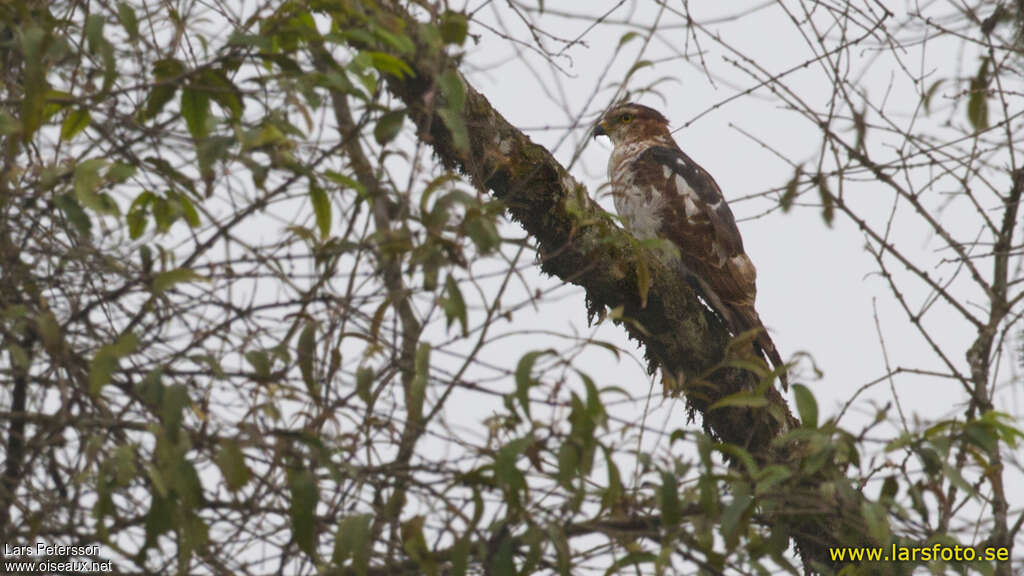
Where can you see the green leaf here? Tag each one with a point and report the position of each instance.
(634, 558)
(163, 215)
(568, 463)
(1003, 425)
(806, 405)
(353, 541)
(166, 170)
(216, 84)
(876, 517)
(188, 210)
(612, 495)
(76, 121)
(211, 362)
(505, 470)
(195, 107)
(459, 557)
(166, 280)
(86, 182)
(930, 459)
(981, 435)
(828, 209)
(106, 360)
(861, 127)
(457, 126)
(627, 38)
(388, 64)
(306, 353)
(918, 503)
(377, 320)
(151, 389)
(388, 127)
(453, 89)
(109, 66)
(524, 379)
(454, 92)
(125, 345)
(415, 545)
(595, 408)
(19, 357)
(49, 330)
(345, 182)
(94, 31)
(454, 27)
(167, 73)
(503, 563)
(73, 212)
(172, 405)
(929, 94)
(890, 487)
(639, 65)
(418, 388)
(321, 208)
(118, 172)
(734, 513)
(195, 534)
(232, 465)
(260, 362)
(786, 202)
(209, 151)
(772, 476)
(737, 453)
(33, 102)
(159, 518)
(481, 230)
(159, 96)
(302, 510)
(126, 14)
(742, 399)
(643, 281)
(955, 478)
(146, 259)
(137, 221)
(55, 101)
(977, 103)
(454, 305)
(8, 124)
(364, 383)
(262, 43)
(671, 510)
(399, 41)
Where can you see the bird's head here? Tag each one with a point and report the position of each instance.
(627, 122)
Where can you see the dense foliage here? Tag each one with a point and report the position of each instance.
(260, 312)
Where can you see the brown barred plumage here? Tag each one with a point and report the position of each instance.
(660, 192)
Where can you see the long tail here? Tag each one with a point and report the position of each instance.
(745, 318)
(739, 318)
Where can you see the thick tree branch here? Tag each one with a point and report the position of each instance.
(580, 243)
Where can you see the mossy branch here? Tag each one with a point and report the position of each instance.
(580, 243)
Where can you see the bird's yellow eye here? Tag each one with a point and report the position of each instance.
(626, 118)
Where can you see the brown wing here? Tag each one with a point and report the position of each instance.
(698, 220)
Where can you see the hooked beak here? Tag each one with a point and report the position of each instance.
(599, 131)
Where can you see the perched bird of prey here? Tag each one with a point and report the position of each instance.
(660, 192)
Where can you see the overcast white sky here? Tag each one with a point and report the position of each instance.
(816, 287)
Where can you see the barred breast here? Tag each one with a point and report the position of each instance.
(638, 204)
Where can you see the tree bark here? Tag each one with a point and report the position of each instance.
(581, 244)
